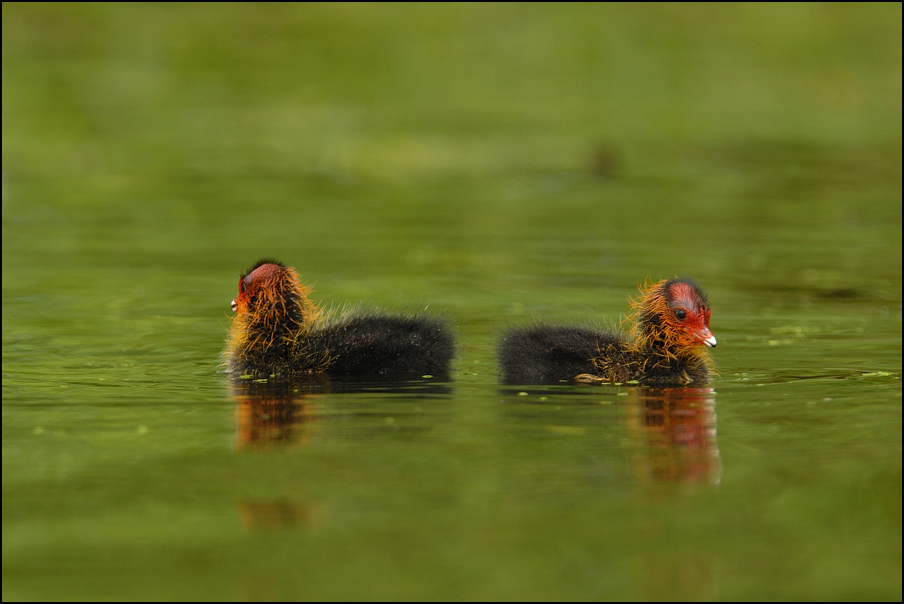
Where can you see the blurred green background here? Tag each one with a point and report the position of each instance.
(496, 163)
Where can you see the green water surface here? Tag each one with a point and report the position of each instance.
(495, 164)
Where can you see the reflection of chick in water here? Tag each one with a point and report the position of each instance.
(269, 413)
(677, 427)
(666, 345)
(278, 332)
(290, 412)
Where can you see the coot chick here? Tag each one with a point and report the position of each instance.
(666, 345)
(278, 332)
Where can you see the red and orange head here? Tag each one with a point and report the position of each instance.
(272, 290)
(674, 311)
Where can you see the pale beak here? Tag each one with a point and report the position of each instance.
(234, 304)
(706, 337)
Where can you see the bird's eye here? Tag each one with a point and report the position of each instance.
(241, 286)
(681, 314)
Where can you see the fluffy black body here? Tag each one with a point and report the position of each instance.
(549, 354)
(384, 346)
